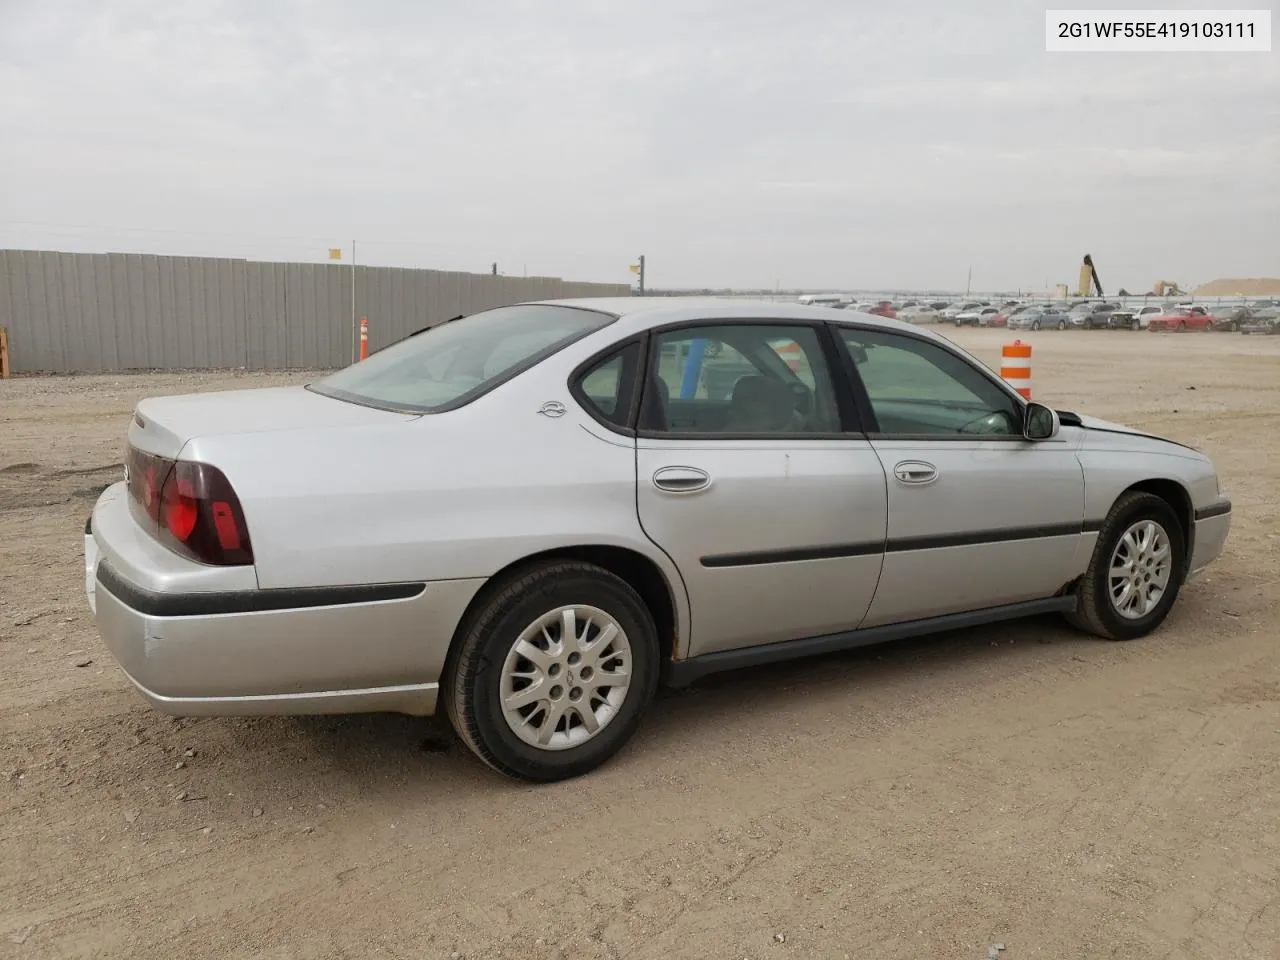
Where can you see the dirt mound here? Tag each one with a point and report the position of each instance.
(1260, 287)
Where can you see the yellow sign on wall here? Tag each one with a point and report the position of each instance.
(335, 253)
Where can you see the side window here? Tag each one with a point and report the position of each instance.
(606, 388)
(916, 388)
(734, 379)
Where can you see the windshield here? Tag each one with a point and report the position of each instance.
(451, 364)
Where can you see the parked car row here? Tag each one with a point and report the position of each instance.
(1173, 317)
(1092, 314)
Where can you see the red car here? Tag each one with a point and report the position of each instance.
(884, 309)
(1182, 318)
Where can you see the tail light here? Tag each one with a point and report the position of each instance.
(190, 507)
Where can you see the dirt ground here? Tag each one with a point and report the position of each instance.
(1019, 785)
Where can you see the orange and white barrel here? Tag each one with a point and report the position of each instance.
(791, 355)
(364, 338)
(1015, 366)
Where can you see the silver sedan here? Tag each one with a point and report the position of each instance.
(531, 517)
(1036, 317)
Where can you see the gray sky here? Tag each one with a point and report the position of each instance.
(816, 143)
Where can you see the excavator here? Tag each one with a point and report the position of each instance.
(1167, 288)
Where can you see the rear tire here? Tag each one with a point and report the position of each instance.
(1101, 598)
(486, 674)
(1035, 324)
(1134, 324)
(1062, 324)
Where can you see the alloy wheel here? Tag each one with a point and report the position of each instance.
(1140, 567)
(566, 677)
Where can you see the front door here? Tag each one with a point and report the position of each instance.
(748, 478)
(978, 516)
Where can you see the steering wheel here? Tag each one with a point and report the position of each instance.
(991, 423)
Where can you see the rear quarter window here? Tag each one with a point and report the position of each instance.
(607, 387)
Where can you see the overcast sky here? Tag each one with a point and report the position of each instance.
(811, 143)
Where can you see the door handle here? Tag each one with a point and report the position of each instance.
(681, 479)
(915, 471)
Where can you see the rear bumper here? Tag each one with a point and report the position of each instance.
(1212, 524)
(246, 652)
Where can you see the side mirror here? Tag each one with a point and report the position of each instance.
(1040, 422)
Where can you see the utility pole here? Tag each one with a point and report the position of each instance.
(353, 302)
(968, 284)
(495, 268)
(642, 274)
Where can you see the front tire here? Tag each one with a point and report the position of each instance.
(1062, 324)
(554, 672)
(1136, 570)
(1035, 324)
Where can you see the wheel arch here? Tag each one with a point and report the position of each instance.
(1178, 497)
(641, 572)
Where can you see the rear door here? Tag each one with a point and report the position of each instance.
(752, 478)
(978, 516)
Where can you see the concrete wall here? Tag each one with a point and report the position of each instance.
(94, 313)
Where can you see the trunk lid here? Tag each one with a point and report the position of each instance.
(163, 425)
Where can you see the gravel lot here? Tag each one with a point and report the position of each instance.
(1020, 785)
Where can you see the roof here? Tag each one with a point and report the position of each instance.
(632, 306)
(643, 312)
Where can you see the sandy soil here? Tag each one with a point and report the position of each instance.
(1022, 785)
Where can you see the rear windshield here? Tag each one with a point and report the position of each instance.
(453, 363)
